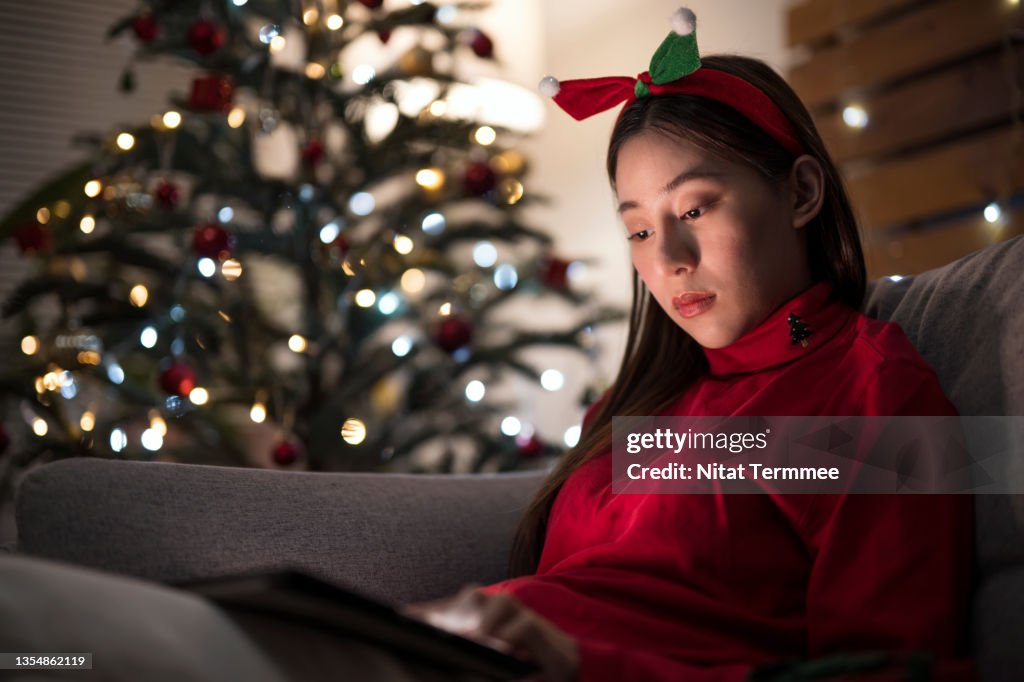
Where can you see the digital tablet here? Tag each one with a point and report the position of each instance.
(301, 597)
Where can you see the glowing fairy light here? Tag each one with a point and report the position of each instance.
(93, 188)
(125, 141)
(365, 298)
(152, 440)
(149, 337)
(118, 440)
(138, 295)
(199, 396)
(552, 380)
(258, 413)
(334, 22)
(40, 427)
(87, 421)
(29, 345)
(485, 136)
(403, 244)
(855, 116)
(511, 426)
(475, 391)
(572, 436)
(433, 223)
(87, 224)
(172, 119)
(297, 343)
(430, 178)
(236, 117)
(413, 280)
(353, 431)
(401, 345)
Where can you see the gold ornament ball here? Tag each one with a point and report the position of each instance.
(418, 61)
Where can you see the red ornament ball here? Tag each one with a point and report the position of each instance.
(211, 92)
(555, 272)
(341, 244)
(285, 453)
(145, 27)
(33, 237)
(205, 36)
(372, 4)
(384, 35)
(313, 153)
(167, 195)
(178, 379)
(453, 333)
(529, 446)
(210, 240)
(482, 45)
(479, 178)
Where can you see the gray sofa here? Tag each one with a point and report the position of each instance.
(405, 537)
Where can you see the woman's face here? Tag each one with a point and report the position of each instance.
(718, 246)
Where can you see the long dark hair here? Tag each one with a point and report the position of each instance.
(660, 359)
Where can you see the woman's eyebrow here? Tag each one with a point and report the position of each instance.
(687, 175)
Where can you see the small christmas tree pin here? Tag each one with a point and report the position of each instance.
(798, 330)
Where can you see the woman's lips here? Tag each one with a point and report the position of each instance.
(693, 304)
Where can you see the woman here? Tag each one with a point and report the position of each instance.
(743, 243)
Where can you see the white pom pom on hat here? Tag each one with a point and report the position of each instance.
(684, 21)
(549, 86)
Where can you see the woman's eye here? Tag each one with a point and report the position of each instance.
(693, 213)
(639, 236)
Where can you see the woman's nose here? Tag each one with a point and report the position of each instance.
(677, 249)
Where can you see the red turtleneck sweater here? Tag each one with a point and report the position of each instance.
(706, 587)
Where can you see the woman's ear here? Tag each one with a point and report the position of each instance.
(807, 183)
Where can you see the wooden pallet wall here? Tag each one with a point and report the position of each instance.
(941, 82)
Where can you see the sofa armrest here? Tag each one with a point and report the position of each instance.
(399, 537)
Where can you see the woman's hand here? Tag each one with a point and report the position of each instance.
(502, 621)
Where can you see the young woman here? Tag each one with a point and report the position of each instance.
(736, 219)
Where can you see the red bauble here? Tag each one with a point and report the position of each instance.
(285, 453)
(341, 244)
(453, 333)
(313, 153)
(33, 237)
(167, 195)
(479, 178)
(5, 440)
(210, 240)
(384, 35)
(529, 446)
(145, 28)
(555, 272)
(211, 92)
(178, 379)
(482, 45)
(372, 4)
(205, 37)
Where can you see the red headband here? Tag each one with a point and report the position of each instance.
(585, 97)
(676, 70)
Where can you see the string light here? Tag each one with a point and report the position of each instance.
(297, 343)
(172, 119)
(413, 280)
(403, 244)
(258, 413)
(506, 276)
(992, 213)
(511, 191)
(118, 440)
(438, 108)
(87, 224)
(855, 116)
(334, 22)
(485, 136)
(572, 436)
(236, 117)
(363, 74)
(433, 223)
(199, 396)
(43, 216)
(87, 421)
(511, 426)
(552, 380)
(231, 269)
(40, 427)
(115, 373)
(277, 43)
(430, 178)
(401, 345)
(388, 303)
(475, 391)
(29, 345)
(157, 423)
(152, 440)
(149, 337)
(353, 431)
(138, 295)
(445, 309)
(125, 141)
(310, 16)
(362, 203)
(315, 71)
(89, 357)
(51, 381)
(207, 267)
(365, 298)
(93, 188)
(485, 254)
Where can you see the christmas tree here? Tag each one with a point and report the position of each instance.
(299, 242)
